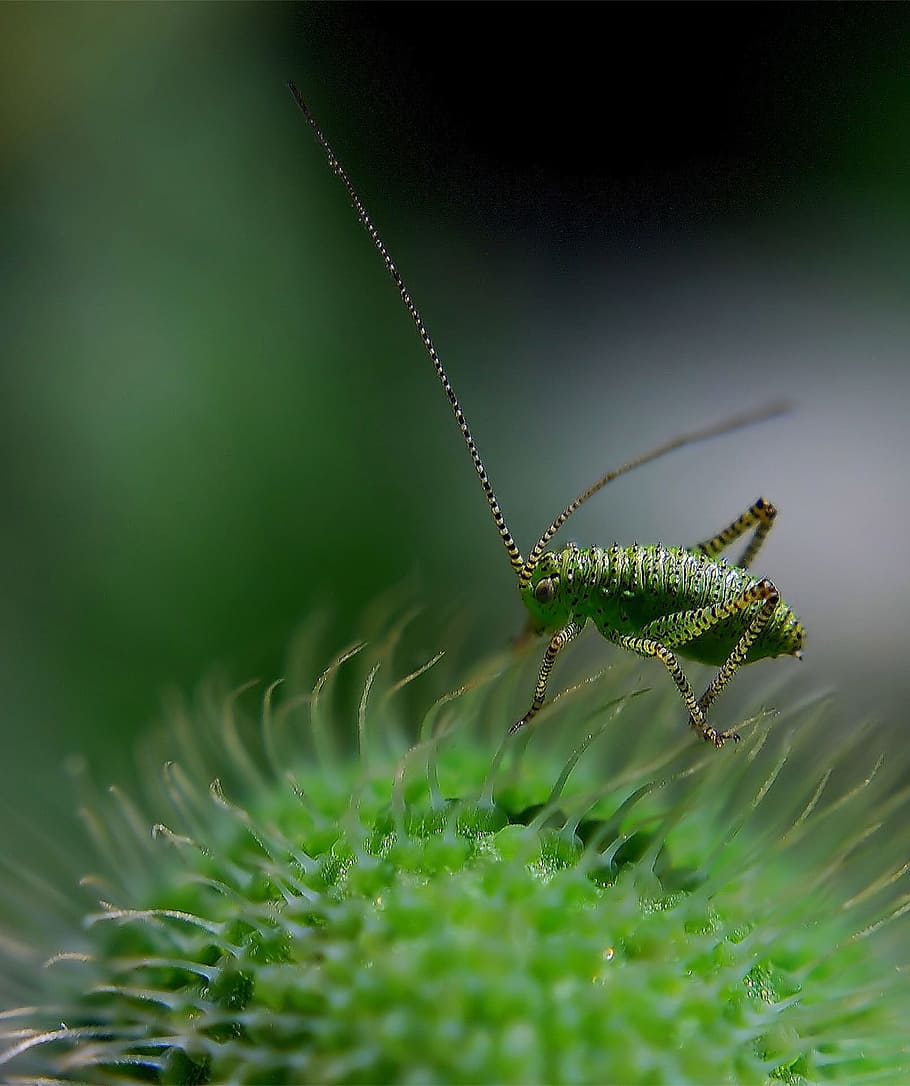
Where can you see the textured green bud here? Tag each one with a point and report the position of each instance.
(377, 893)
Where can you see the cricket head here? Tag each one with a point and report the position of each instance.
(543, 596)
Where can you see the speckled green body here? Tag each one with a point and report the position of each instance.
(622, 590)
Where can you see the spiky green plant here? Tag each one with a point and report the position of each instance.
(356, 899)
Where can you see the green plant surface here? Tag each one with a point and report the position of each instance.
(371, 891)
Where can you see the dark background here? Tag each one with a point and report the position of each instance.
(619, 221)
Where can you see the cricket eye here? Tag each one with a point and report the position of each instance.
(545, 590)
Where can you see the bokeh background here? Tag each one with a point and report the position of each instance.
(620, 222)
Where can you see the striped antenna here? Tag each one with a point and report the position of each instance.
(737, 422)
(524, 569)
(505, 535)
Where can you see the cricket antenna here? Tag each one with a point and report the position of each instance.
(737, 422)
(505, 535)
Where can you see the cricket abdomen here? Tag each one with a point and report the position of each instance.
(624, 589)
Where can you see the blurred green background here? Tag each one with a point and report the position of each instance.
(216, 416)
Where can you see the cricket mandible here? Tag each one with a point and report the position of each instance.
(655, 601)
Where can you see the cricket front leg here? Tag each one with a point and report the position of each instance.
(557, 643)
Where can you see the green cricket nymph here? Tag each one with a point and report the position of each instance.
(653, 601)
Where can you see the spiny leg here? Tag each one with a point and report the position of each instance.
(684, 626)
(770, 597)
(649, 646)
(760, 516)
(558, 642)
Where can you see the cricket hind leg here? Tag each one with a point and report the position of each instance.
(558, 642)
(760, 516)
(649, 646)
(767, 593)
(658, 638)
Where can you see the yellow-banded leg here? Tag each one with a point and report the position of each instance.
(769, 596)
(760, 516)
(649, 646)
(658, 638)
(557, 643)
